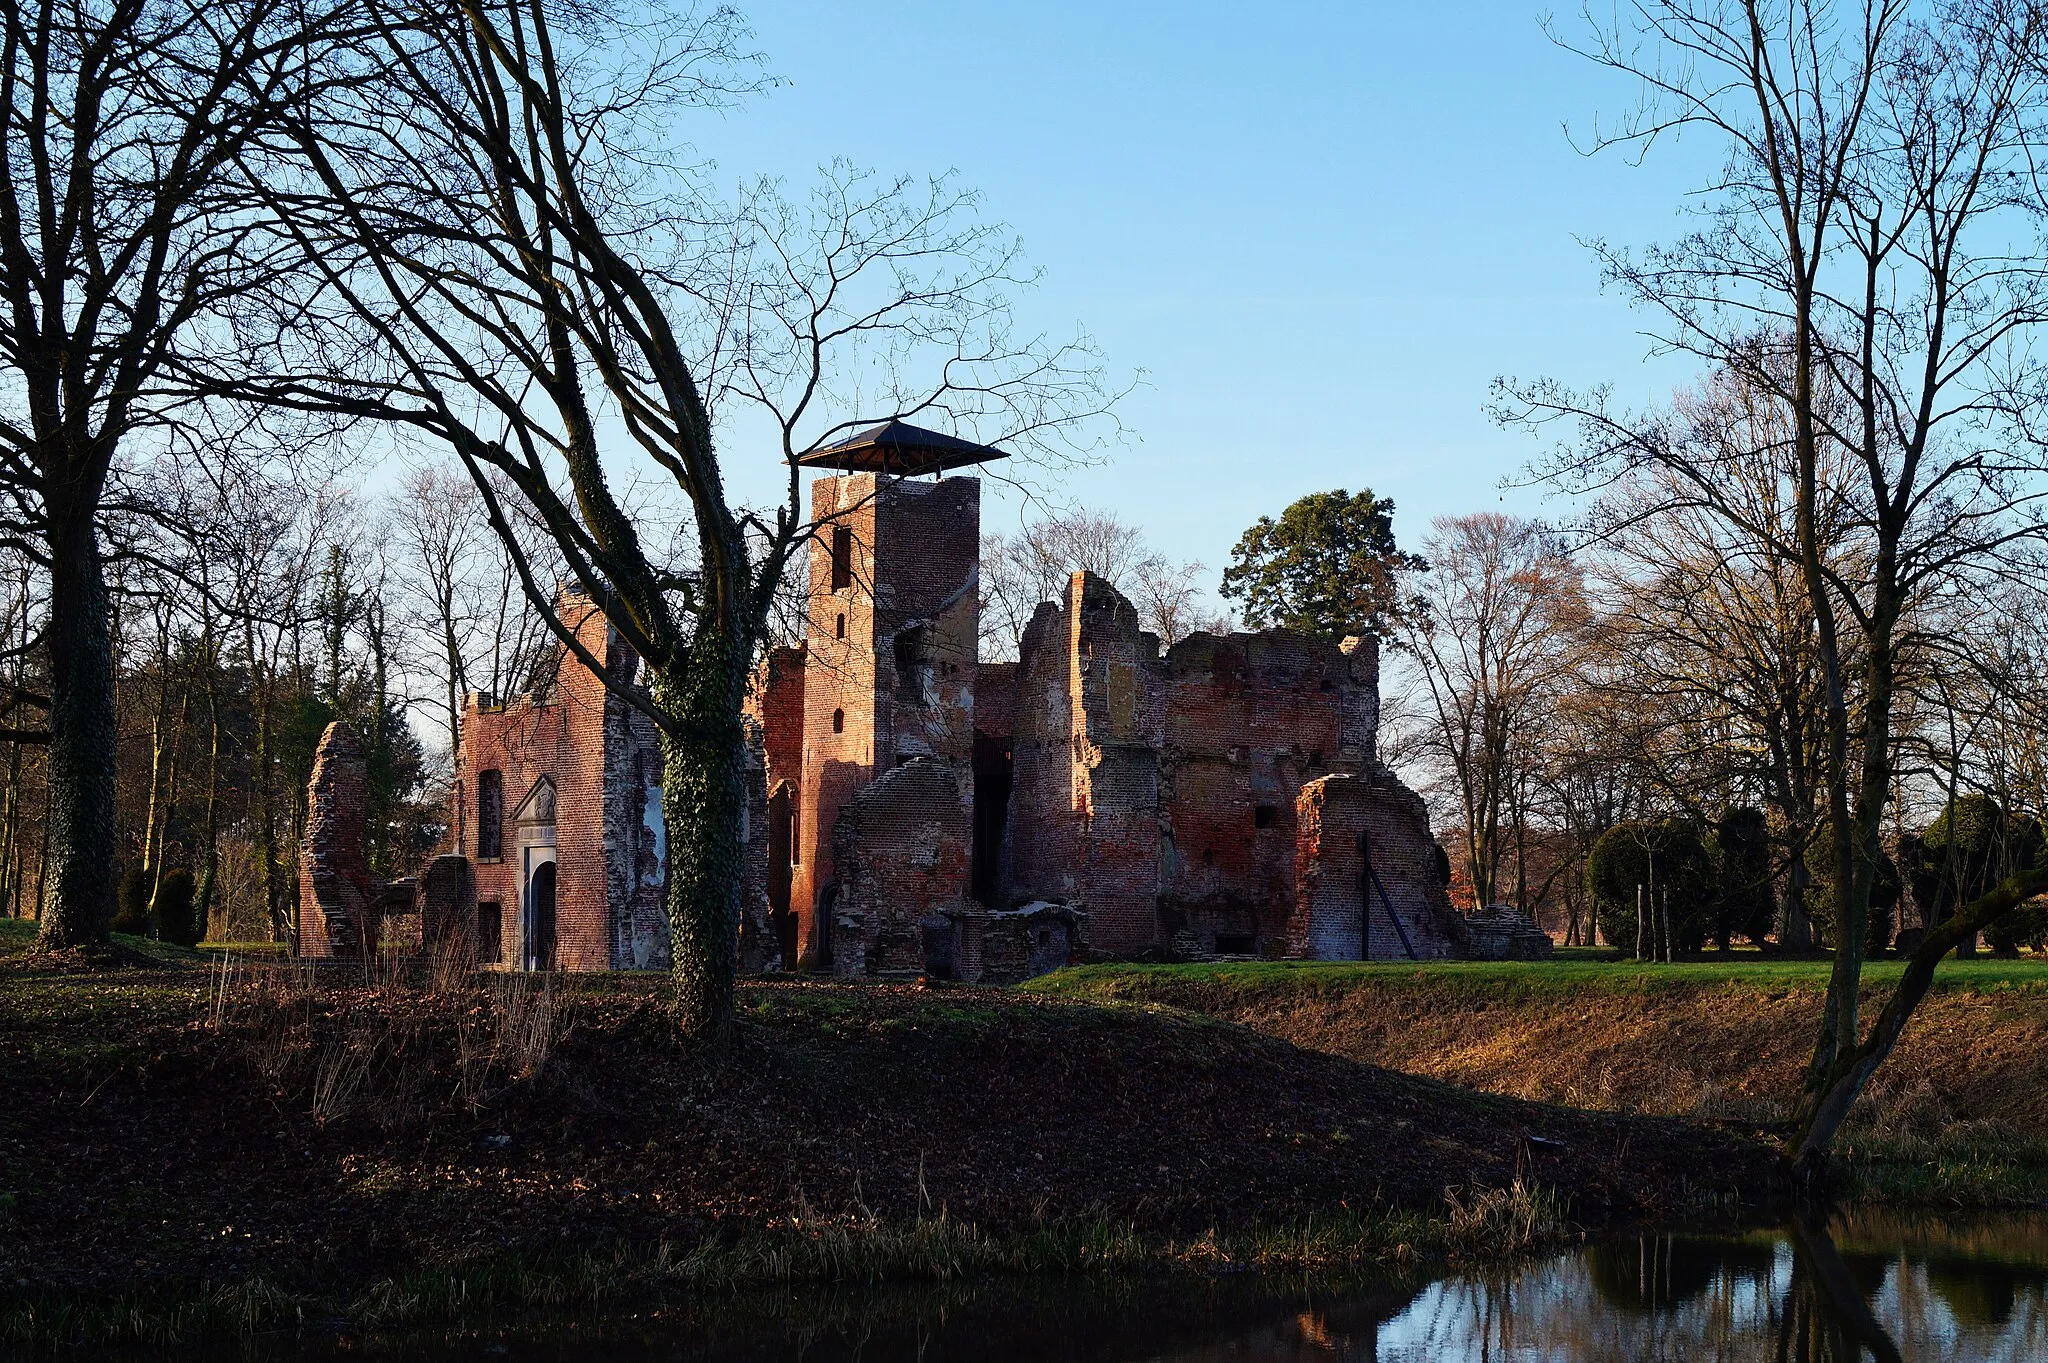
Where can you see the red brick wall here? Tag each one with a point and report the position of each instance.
(892, 654)
(1342, 818)
(777, 703)
(1139, 779)
(901, 852)
(1249, 717)
(839, 676)
(567, 736)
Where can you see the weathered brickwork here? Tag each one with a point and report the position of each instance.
(1366, 882)
(1157, 793)
(889, 672)
(580, 775)
(900, 849)
(338, 899)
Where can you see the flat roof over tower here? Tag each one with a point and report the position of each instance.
(899, 448)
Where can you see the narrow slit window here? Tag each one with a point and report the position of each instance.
(839, 626)
(842, 558)
(490, 814)
(839, 721)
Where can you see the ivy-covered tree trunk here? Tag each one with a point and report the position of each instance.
(703, 805)
(78, 889)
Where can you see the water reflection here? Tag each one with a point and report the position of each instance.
(1862, 1286)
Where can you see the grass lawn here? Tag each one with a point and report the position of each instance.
(1579, 972)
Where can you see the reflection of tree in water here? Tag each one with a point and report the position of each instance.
(1982, 1294)
(1663, 1272)
(1795, 1297)
(1792, 1297)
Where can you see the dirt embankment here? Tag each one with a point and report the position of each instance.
(156, 1128)
(1633, 1043)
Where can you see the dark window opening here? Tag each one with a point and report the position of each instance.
(490, 933)
(796, 831)
(993, 777)
(490, 814)
(1328, 685)
(1208, 856)
(1264, 816)
(842, 558)
(839, 626)
(1315, 760)
(1236, 945)
(839, 721)
(908, 647)
(781, 855)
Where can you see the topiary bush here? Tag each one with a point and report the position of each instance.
(1973, 846)
(175, 920)
(131, 913)
(1887, 891)
(1670, 855)
(1743, 903)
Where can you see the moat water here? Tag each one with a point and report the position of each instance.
(1867, 1285)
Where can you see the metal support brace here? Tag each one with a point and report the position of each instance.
(1388, 904)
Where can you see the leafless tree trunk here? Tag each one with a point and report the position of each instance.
(1854, 262)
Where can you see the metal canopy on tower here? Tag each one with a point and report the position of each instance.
(899, 449)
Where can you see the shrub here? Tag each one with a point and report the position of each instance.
(1743, 905)
(1972, 847)
(132, 902)
(1668, 855)
(1887, 890)
(2025, 926)
(175, 920)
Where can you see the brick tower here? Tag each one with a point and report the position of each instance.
(890, 648)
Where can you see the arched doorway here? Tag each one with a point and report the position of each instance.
(540, 918)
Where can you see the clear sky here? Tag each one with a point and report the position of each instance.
(1320, 229)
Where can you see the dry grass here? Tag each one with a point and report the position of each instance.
(360, 1050)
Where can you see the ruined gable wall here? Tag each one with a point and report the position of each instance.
(635, 835)
(776, 703)
(336, 896)
(1115, 681)
(1342, 819)
(1249, 717)
(1039, 844)
(562, 736)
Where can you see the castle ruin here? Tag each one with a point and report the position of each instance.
(914, 809)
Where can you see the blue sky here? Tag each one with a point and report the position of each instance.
(1319, 229)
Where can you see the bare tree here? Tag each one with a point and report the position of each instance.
(114, 242)
(1492, 634)
(1865, 257)
(1021, 570)
(496, 222)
